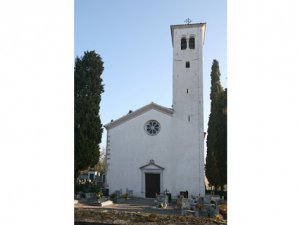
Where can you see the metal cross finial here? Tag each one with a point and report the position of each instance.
(188, 21)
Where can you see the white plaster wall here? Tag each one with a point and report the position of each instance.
(173, 148)
(131, 147)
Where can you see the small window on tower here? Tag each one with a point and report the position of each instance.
(192, 43)
(187, 64)
(183, 43)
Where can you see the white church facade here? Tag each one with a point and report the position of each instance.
(156, 148)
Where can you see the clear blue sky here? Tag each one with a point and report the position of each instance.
(134, 40)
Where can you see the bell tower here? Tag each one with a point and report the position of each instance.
(188, 41)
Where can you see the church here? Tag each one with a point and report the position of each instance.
(155, 148)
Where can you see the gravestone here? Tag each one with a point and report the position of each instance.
(162, 201)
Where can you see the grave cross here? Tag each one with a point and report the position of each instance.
(188, 21)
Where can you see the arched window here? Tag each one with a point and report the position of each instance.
(183, 43)
(192, 43)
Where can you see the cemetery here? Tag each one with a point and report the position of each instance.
(118, 208)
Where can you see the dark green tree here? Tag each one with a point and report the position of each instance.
(212, 166)
(88, 129)
(221, 139)
(211, 169)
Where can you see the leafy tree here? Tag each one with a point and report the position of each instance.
(214, 160)
(87, 95)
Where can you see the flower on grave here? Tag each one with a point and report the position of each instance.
(223, 207)
(219, 217)
(99, 194)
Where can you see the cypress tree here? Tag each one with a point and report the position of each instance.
(221, 145)
(212, 169)
(88, 129)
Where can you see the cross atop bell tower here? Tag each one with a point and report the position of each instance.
(188, 21)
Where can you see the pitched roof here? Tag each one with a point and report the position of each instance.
(152, 163)
(138, 112)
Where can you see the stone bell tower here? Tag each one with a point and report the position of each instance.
(188, 41)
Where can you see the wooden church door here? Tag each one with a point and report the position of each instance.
(152, 184)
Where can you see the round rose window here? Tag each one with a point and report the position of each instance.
(152, 127)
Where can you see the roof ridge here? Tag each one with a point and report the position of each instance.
(139, 111)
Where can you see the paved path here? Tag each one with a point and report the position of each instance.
(135, 205)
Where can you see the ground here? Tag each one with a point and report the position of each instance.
(135, 212)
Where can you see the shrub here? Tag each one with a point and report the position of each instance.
(87, 188)
(125, 196)
(112, 196)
